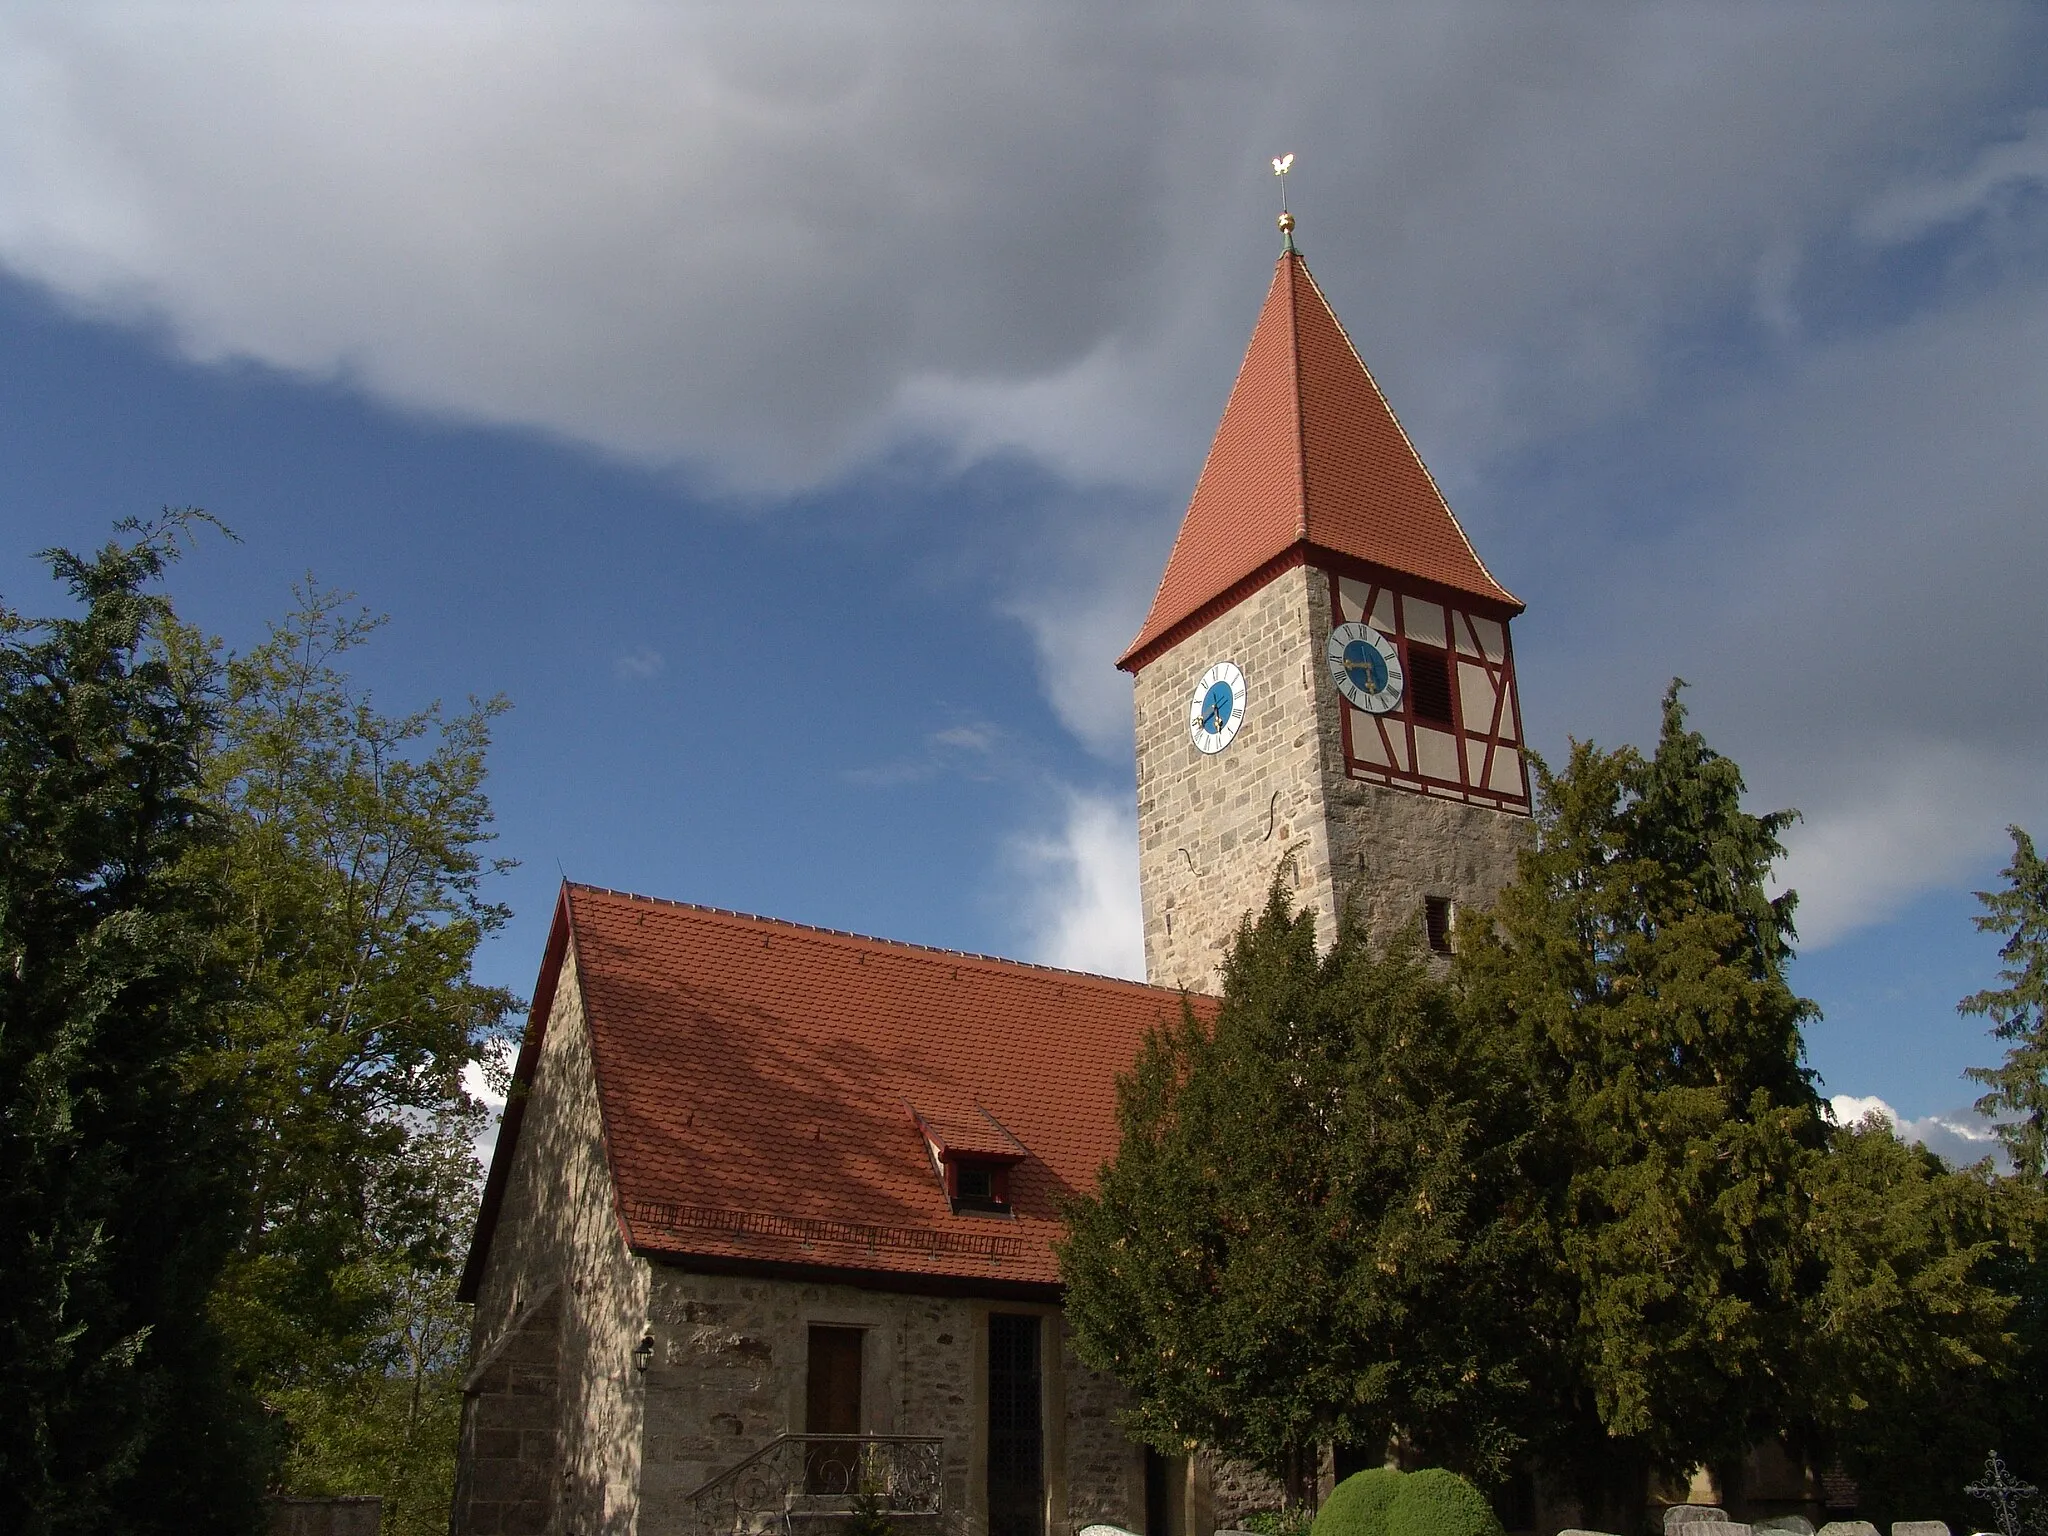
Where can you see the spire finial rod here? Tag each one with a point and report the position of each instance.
(1281, 167)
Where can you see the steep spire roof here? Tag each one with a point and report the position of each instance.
(1307, 455)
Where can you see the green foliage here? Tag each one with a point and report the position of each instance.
(1909, 1327)
(123, 1153)
(238, 911)
(388, 1424)
(1358, 1505)
(868, 1517)
(1639, 965)
(391, 1426)
(1579, 1205)
(1433, 1502)
(1301, 1239)
(2018, 1010)
(354, 860)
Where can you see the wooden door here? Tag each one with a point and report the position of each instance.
(832, 1407)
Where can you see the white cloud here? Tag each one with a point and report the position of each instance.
(476, 1083)
(980, 739)
(1922, 817)
(1959, 1136)
(639, 666)
(769, 240)
(1095, 573)
(2001, 171)
(768, 243)
(1079, 886)
(1850, 580)
(968, 748)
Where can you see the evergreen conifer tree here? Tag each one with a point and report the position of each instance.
(123, 1156)
(1293, 1242)
(2018, 1010)
(1638, 962)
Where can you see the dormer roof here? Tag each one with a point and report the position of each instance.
(1308, 458)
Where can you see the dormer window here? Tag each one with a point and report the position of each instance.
(972, 1154)
(979, 1186)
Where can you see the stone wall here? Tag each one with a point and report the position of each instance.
(506, 1461)
(1213, 830)
(557, 1237)
(347, 1515)
(731, 1360)
(1236, 1489)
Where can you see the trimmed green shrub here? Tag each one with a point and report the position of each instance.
(1434, 1502)
(1358, 1505)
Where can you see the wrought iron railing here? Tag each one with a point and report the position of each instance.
(816, 1477)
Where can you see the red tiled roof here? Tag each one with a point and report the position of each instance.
(759, 1082)
(1307, 454)
(973, 1134)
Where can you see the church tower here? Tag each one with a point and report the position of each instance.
(1325, 671)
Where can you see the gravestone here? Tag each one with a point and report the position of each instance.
(1919, 1528)
(1694, 1514)
(1788, 1525)
(1848, 1528)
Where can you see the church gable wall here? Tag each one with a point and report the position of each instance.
(730, 1374)
(557, 1244)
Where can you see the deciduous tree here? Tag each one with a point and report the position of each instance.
(355, 858)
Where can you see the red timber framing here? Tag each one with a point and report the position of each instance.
(1477, 756)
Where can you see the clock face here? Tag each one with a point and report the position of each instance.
(1218, 707)
(1366, 666)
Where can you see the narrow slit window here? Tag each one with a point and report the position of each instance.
(1436, 922)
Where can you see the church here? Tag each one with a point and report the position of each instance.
(771, 1217)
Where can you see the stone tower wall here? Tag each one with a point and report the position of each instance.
(1212, 830)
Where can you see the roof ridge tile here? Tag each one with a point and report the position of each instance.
(911, 948)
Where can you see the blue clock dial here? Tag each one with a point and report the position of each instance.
(1218, 705)
(1217, 709)
(1366, 667)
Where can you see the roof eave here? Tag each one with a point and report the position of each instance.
(1155, 641)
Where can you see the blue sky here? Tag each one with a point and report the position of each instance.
(789, 408)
